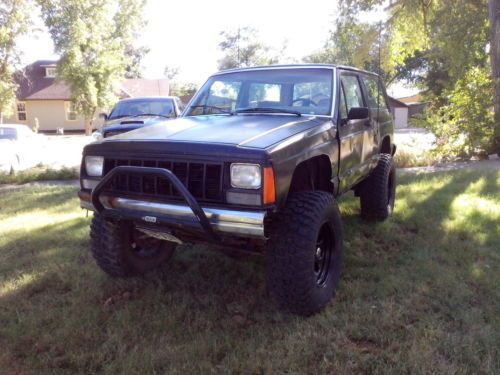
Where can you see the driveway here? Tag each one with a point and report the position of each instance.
(64, 151)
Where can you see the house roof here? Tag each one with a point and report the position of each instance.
(34, 85)
(396, 103)
(413, 99)
(145, 87)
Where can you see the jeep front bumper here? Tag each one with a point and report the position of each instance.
(192, 216)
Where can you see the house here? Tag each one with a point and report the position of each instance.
(416, 104)
(399, 112)
(403, 109)
(40, 98)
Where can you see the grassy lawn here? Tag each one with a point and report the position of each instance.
(419, 294)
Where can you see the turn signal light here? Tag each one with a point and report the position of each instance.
(269, 192)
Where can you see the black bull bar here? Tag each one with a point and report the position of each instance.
(157, 172)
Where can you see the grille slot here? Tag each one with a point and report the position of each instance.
(203, 180)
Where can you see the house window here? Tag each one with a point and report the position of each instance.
(21, 111)
(70, 111)
(50, 72)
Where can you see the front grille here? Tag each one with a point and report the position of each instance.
(203, 180)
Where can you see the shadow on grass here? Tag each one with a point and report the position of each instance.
(407, 300)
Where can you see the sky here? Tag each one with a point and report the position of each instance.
(185, 33)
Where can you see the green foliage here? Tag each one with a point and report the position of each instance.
(134, 56)
(464, 126)
(92, 37)
(171, 72)
(441, 47)
(186, 89)
(351, 43)
(14, 22)
(242, 48)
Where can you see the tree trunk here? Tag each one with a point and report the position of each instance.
(88, 127)
(89, 122)
(494, 12)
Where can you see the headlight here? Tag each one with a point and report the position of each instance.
(245, 176)
(97, 135)
(93, 165)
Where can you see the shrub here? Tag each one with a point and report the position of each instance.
(464, 126)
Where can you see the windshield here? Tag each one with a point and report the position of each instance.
(8, 133)
(158, 107)
(305, 91)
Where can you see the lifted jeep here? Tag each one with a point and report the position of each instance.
(254, 164)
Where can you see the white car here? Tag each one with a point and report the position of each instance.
(20, 148)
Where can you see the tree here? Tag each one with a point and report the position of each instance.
(171, 72)
(494, 18)
(354, 43)
(186, 89)
(134, 57)
(14, 22)
(440, 46)
(242, 48)
(92, 37)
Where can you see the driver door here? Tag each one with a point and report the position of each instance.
(351, 132)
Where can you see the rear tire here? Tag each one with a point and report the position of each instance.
(121, 250)
(378, 191)
(304, 256)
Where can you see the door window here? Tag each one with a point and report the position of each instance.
(352, 92)
(375, 92)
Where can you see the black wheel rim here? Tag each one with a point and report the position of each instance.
(323, 254)
(145, 246)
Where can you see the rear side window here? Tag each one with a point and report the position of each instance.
(375, 92)
(263, 92)
(352, 92)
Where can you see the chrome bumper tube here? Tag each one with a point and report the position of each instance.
(234, 222)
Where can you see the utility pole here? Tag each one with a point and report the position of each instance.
(494, 15)
(238, 46)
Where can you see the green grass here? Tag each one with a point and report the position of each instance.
(39, 173)
(419, 294)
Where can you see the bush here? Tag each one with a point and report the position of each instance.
(38, 174)
(464, 126)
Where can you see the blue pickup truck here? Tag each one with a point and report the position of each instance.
(134, 113)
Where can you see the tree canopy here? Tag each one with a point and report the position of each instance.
(242, 48)
(439, 46)
(14, 22)
(92, 37)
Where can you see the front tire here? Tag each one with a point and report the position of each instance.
(305, 253)
(121, 250)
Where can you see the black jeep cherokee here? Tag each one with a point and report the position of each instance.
(254, 164)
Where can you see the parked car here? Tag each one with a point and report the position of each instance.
(134, 113)
(20, 147)
(255, 164)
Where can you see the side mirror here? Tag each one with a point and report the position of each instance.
(104, 116)
(358, 113)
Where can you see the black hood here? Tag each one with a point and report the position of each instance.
(254, 131)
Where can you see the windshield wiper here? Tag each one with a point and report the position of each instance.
(150, 114)
(267, 110)
(221, 110)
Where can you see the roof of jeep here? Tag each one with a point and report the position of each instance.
(294, 66)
